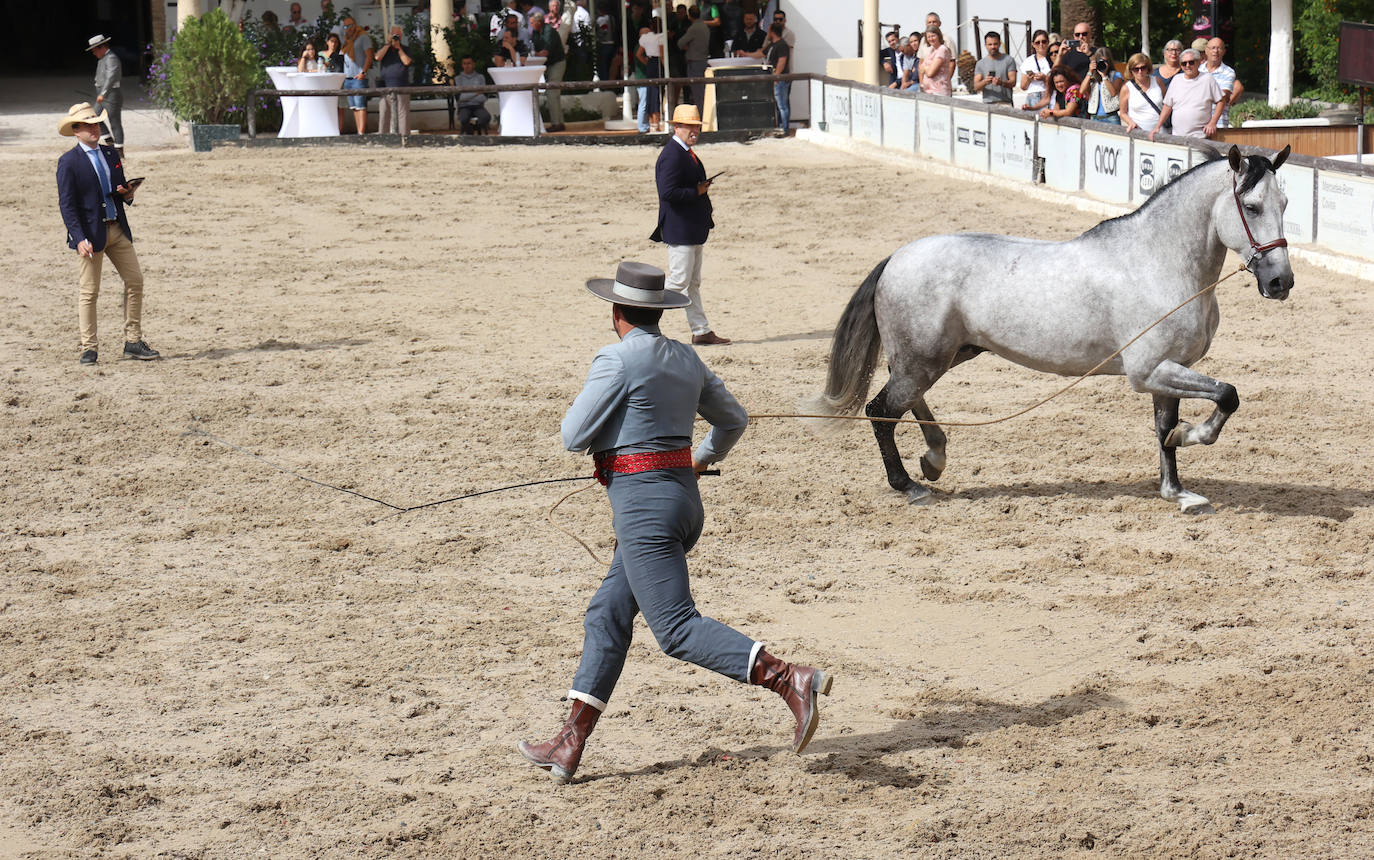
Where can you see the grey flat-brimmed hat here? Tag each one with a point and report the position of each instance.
(96, 41)
(637, 285)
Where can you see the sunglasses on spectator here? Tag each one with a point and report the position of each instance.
(1188, 63)
(1040, 41)
(1174, 50)
(1082, 35)
(1140, 68)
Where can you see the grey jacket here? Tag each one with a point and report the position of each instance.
(644, 393)
(695, 44)
(108, 71)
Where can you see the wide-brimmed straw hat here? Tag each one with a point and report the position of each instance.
(96, 41)
(80, 113)
(639, 285)
(686, 115)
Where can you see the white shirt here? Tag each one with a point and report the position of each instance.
(1193, 102)
(1034, 65)
(1225, 76)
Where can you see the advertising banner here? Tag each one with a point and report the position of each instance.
(865, 116)
(899, 123)
(1107, 166)
(1299, 219)
(1011, 147)
(1153, 166)
(1345, 213)
(971, 139)
(1061, 147)
(936, 131)
(837, 110)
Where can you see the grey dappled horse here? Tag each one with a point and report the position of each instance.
(1062, 307)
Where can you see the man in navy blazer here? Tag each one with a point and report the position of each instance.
(91, 193)
(684, 217)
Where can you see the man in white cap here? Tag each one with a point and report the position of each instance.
(91, 193)
(108, 95)
(635, 415)
(684, 217)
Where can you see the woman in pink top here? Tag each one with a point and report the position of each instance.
(938, 67)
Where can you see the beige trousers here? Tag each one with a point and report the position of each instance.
(121, 252)
(684, 276)
(394, 122)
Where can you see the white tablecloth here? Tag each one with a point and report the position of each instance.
(517, 107)
(307, 116)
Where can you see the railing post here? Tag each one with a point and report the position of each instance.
(252, 115)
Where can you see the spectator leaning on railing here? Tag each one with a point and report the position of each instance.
(1141, 96)
(995, 74)
(1193, 102)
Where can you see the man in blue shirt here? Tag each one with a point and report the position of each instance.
(91, 193)
(635, 415)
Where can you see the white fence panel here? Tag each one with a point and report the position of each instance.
(971, 139)
(1062, 149)
(865, 116)
(837, 110)
(936, 131)
(1345, 214)
(899, 123)
(1154, 166)
(1011, 147)
(1107, 166)
(1300, 218)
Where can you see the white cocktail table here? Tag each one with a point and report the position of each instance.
(517, 106)
(307, 116)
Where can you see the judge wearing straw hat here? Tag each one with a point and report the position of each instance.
(684, 216)
(108, 71)
(635, 416)
(91, 194)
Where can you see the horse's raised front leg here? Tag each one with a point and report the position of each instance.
(885, 432)
(1168, 382)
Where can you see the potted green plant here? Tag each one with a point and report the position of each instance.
(211, 70)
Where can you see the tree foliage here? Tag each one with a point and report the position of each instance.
(211, 69)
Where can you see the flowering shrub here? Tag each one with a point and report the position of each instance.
(157, 84)
(210, 70)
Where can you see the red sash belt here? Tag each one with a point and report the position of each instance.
(629, 464)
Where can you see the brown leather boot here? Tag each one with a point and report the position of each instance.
(561, 754)
(798, 686)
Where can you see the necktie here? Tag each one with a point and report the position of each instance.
(98, 159)
(693, 153)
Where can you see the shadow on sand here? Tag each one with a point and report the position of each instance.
(947, 723)
(1289, 500)
(273, 346)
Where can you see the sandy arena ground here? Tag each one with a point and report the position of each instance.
(204, 657)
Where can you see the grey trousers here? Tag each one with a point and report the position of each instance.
(697, 69)
(658, 518)
(114, 106)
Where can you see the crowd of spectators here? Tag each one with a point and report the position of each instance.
(1189, 93)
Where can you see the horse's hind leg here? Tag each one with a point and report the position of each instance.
(882, 406)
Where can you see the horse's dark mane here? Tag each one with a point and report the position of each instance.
(1255, 168)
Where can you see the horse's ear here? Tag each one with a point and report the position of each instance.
(1234, 158)
(1280, 158)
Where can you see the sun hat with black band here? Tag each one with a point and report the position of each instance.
(638, 285)
(82, 113)
(96, 41)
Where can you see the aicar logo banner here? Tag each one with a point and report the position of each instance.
(1106, 167)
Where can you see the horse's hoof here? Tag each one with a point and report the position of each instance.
(932, 466)
(918, 495)
(1192, 503)
(1180, 436)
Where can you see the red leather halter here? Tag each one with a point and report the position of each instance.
(1256, 249)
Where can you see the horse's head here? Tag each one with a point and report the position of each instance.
(1249, 219)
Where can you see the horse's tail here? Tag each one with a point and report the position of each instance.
(853, 356)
